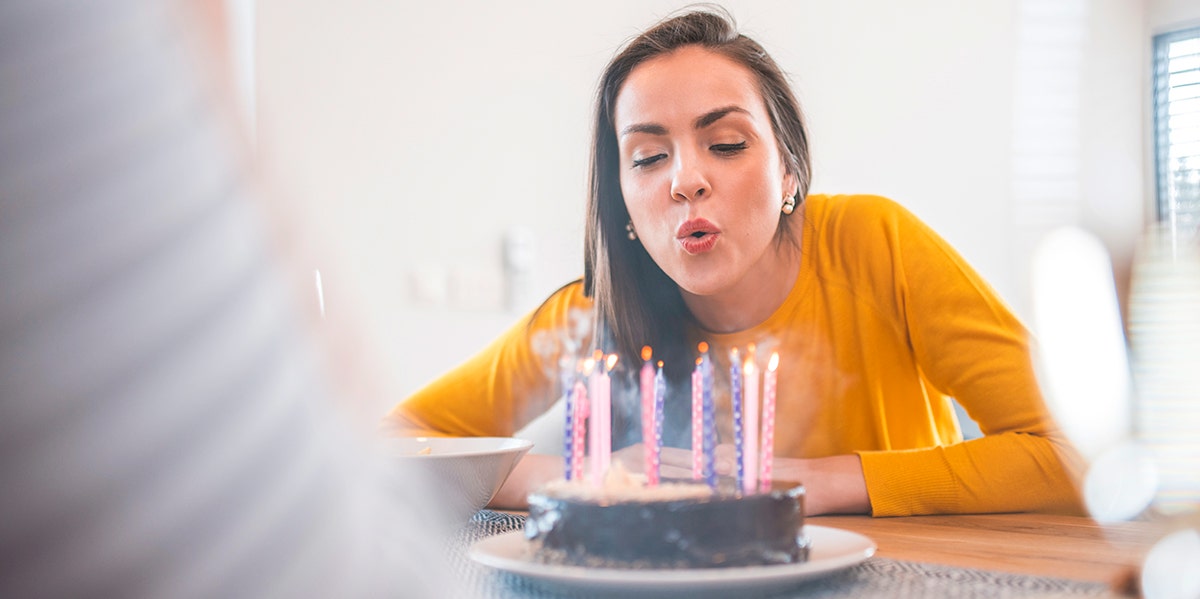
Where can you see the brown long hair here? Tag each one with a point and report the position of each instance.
(636, 302)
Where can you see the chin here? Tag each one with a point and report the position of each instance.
(702, 286)
(701, 275)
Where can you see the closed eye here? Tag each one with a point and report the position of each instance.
(641, 162)
(728, 149)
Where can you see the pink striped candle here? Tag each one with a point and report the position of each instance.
(593, 368)
(697, 422)
(647, 389)
(581, 410)
(750, 420)
(768, 424)
(606, 403)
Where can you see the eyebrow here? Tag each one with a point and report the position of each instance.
(701, 122)
(713, 116)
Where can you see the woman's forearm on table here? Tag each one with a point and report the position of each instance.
(832, 485)
(531, 472)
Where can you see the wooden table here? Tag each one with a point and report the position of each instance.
(1008, 555)
(1039, 544)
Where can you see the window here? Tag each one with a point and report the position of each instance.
(1177, 129)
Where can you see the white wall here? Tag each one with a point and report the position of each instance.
(1167, 15)
(414, 139)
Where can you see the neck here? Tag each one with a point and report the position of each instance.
(752, 300)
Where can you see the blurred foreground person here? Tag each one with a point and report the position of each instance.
(167, 425)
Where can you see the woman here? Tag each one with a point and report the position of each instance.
(700, 227)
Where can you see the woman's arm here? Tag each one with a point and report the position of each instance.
(507, 384)
(842, 489)
(968, 345)
(832, 485)
(531, 472)
(835, 484)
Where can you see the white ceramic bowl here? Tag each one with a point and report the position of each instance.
(462, 474)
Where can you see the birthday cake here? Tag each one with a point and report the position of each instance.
(671, 525)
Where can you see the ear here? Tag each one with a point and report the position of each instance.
(791, 183)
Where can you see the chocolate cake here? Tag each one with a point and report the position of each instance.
(674, 525)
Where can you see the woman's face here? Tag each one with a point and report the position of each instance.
(700, 169)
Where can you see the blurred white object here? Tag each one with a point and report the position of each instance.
(320, 288)
(461, 473)
(1169, 570)
(1081, 340)
(1164, 326)
(1120, 483)
(167, 426)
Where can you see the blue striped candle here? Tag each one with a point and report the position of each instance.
(710, 473)
(569, 430)
(735, 385)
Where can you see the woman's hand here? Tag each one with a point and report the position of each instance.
(832, 485)
(673, 462)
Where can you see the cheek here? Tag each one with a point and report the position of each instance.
(639, 198)
(767, 192)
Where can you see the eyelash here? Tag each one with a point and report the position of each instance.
(728, 149)
(722, 149)
(648, 161)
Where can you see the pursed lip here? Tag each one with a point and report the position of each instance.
(697, 236)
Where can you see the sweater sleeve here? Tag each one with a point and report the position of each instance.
(968, 345)
(509, 383)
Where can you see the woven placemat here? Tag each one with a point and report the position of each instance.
(876, 577)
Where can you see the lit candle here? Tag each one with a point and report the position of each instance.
(580, 409)
(750, 420)
(710, 427)
(660, 392)
(595, 419)
(768, 424)
(588, 414)
(647, 389)
(606, 403)
(735, 387)
(698, 421)
(569, 426)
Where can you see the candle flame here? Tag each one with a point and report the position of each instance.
(703, 347)
(698, 361)
(598, 355)
(647, 353)
(612, 361)
(588, 365)
(733, 355)
(660, 363)
(774, 363)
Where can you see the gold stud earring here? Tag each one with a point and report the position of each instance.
(789, 205)
(629, 232)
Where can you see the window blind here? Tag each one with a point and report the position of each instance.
(1177, 129)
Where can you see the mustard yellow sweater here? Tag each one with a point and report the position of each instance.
(886, 322)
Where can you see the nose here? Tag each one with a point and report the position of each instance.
(689, 183)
